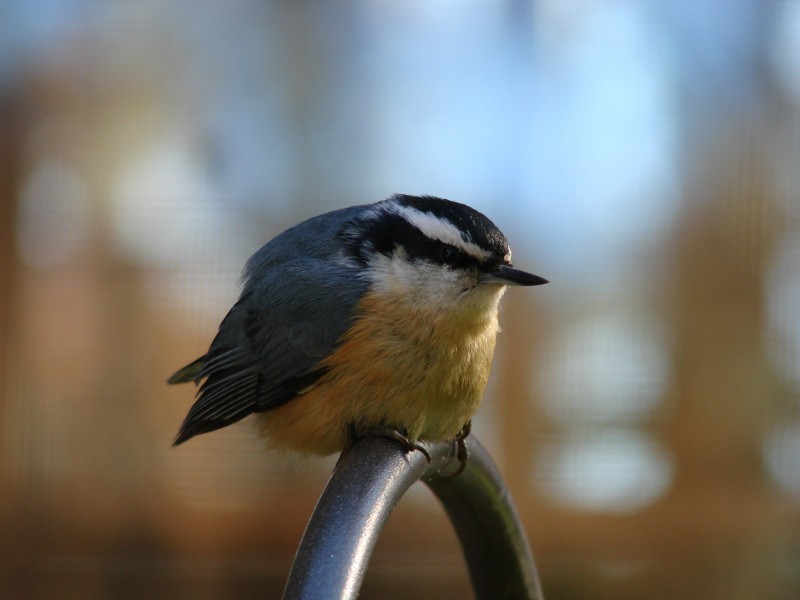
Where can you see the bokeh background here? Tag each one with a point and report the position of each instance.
(643, 155)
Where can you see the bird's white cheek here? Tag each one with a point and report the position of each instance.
(419, 282)
(386, 276)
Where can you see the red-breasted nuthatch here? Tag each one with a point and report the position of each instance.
(375, 319)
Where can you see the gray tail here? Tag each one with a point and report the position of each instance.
(190, 372)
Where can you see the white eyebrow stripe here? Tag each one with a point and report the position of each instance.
(441, 230)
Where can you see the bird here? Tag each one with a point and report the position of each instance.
(373, 320)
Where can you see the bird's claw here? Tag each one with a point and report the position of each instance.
(393, 434)
(407, 444)
(462, 452)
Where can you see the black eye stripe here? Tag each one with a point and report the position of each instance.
(450, 255)
(476, 227)
(389, 231)
(420, 247)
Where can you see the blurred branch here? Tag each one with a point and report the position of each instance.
(13, 127)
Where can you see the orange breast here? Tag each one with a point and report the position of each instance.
(407, 368)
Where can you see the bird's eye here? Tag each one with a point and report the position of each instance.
(450, 255)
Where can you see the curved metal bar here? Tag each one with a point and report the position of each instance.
(492, 538)
(367, 484)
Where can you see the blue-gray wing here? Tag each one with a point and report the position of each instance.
(289, 317)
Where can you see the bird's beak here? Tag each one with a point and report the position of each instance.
(505, 275)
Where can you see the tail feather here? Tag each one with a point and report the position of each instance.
(190, 372)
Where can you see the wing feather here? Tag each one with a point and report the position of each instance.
(269, 345)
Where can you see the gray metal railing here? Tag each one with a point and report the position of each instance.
(365, 487)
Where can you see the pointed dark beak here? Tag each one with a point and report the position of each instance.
(505, 275)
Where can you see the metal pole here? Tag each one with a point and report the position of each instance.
(365, 487)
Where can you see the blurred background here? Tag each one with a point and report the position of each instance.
(642, 155)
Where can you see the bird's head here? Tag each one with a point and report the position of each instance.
(439, 255)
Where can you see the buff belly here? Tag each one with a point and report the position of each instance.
(422, 373)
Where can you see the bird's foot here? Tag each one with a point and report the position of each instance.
(398, 435)
(462, 452)
(407, 444)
